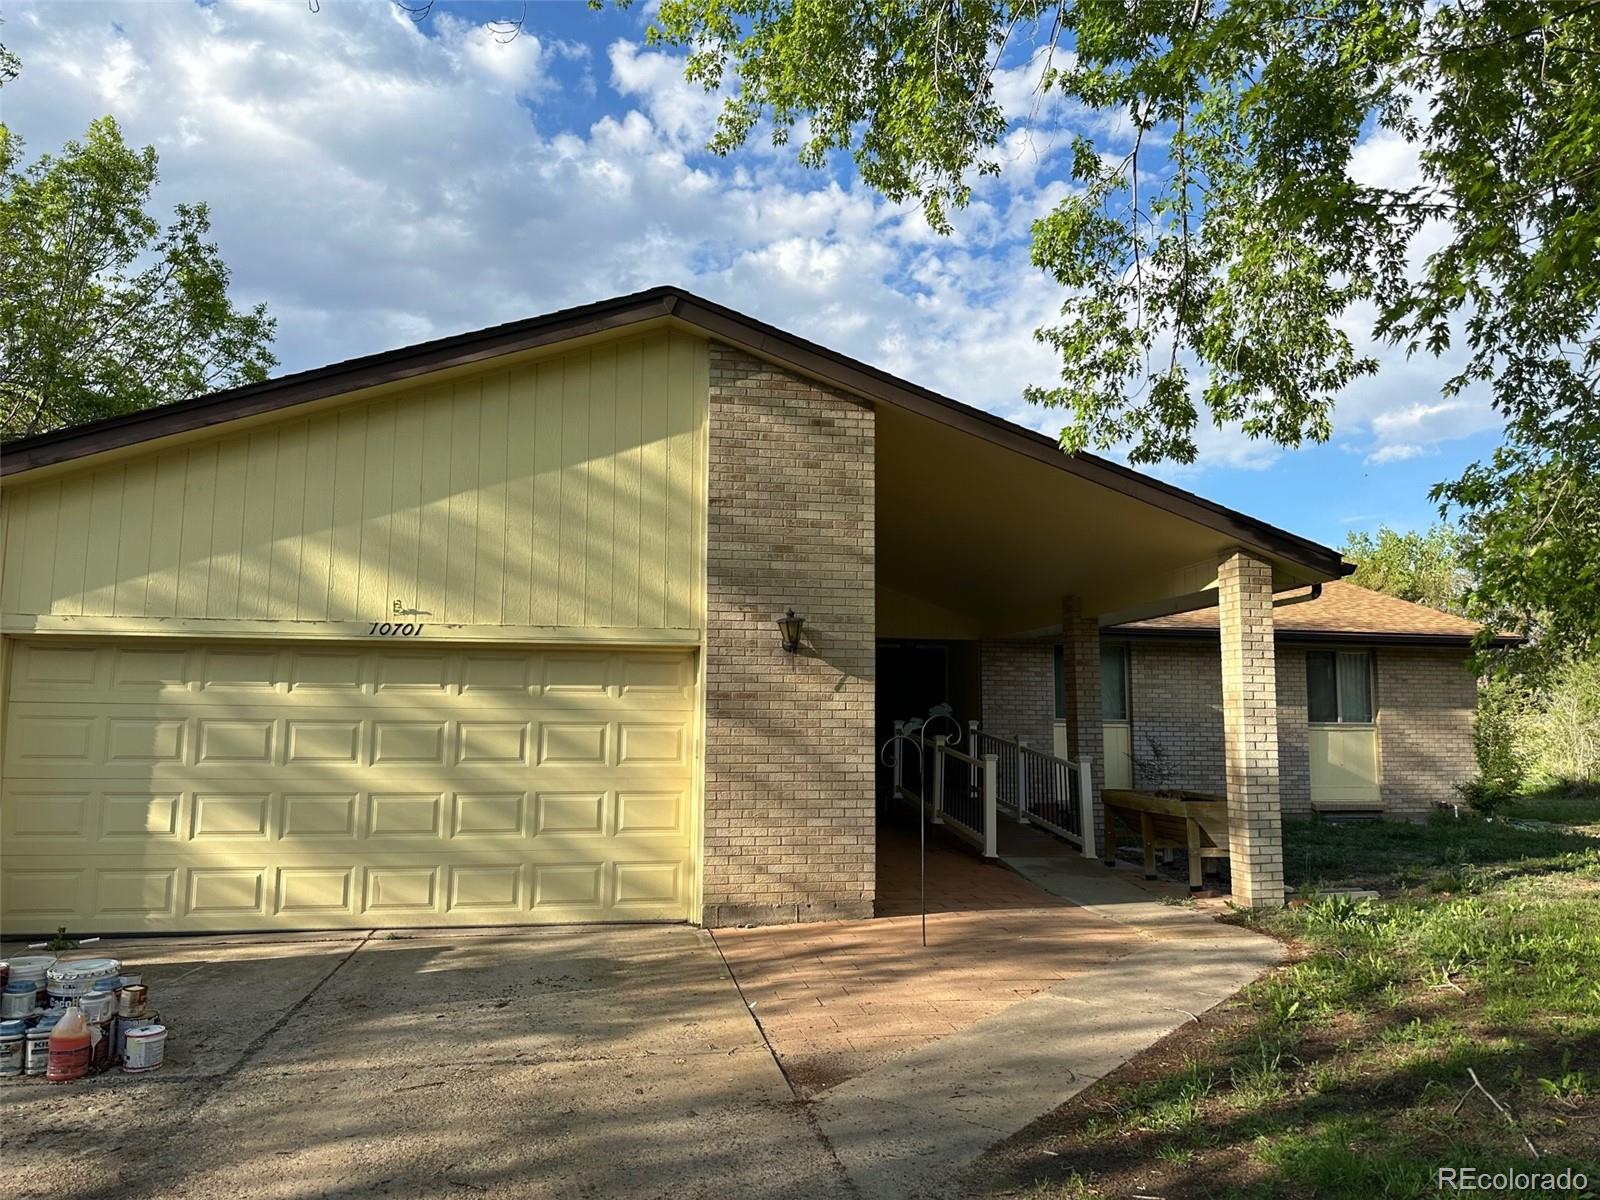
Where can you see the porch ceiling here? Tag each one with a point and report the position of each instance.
(977, 537)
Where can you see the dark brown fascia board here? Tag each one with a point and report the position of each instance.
(712, 319)
(1441, 641)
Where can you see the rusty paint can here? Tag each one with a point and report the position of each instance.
(102, 1039)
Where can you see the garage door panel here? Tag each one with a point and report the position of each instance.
(114, 820)
(48, 816)
(43, 893)
(145, 741)
(316, 890)
(224, 788)
(172, 671)
(327, 816)
(150, 671)
(400, 892)
(137, 892)
(140, 816)
(239, 896)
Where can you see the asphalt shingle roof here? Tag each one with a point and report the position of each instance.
(1343, 609)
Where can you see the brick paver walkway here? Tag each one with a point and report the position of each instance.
(838, 998)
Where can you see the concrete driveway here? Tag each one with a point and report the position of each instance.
(595, 1061)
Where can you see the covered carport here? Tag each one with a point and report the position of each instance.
(992, 543)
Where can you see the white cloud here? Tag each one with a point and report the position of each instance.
(686, 113)
(378, 183)
(1395, 452)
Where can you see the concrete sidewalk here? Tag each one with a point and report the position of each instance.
(837, 999)
(909, 1127)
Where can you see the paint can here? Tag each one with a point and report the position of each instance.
(144, 1047)
(13, 1044)
(36, 1051)
(133, 1000)
(17, 1000)
(119, 1033)
(70, 979)
(31, 968)
(99, 1005)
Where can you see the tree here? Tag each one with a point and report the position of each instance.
(102, 311)
(1421, 567)
(1214, 247)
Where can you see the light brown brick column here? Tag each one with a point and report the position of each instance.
(1080, 664)
(790, 829)
(1250, 730)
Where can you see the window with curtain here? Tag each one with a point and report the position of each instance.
(1113, 683)
(1339, 686)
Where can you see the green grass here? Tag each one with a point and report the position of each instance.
(1568, 804)
(1346, 1072)
(1445, 853)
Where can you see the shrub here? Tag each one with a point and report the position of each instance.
(1497, 736)
(1484, 796)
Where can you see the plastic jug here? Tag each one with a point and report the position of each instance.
(69, 1048)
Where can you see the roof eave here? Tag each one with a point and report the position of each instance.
(318, 383)
(1344, 636)
(714, 320)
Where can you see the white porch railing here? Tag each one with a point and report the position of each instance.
(957, 789)
(1041, 789)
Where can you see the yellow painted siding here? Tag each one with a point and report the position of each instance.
(567, 492)
(1118, 737)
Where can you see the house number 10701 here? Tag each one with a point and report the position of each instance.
(394, 629)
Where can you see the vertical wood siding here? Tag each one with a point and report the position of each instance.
(566, 492)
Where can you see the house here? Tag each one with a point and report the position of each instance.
(484, 630)
(1376, 700)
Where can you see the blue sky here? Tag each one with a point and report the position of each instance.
(378, 183)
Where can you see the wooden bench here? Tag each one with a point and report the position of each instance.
(1192, 820)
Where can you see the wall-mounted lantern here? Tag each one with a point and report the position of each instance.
(789, 627)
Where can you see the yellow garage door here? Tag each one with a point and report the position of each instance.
(215, 786)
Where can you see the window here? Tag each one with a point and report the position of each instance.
(1339, 686)
(1113, 683)
(1061, 684)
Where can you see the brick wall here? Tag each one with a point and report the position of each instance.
(1426, 702)
(1294, 733)
(1176, 702)
(1019, 690)
(789, 831)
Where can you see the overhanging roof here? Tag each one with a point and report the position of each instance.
(656, 305)
(1343, 612)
